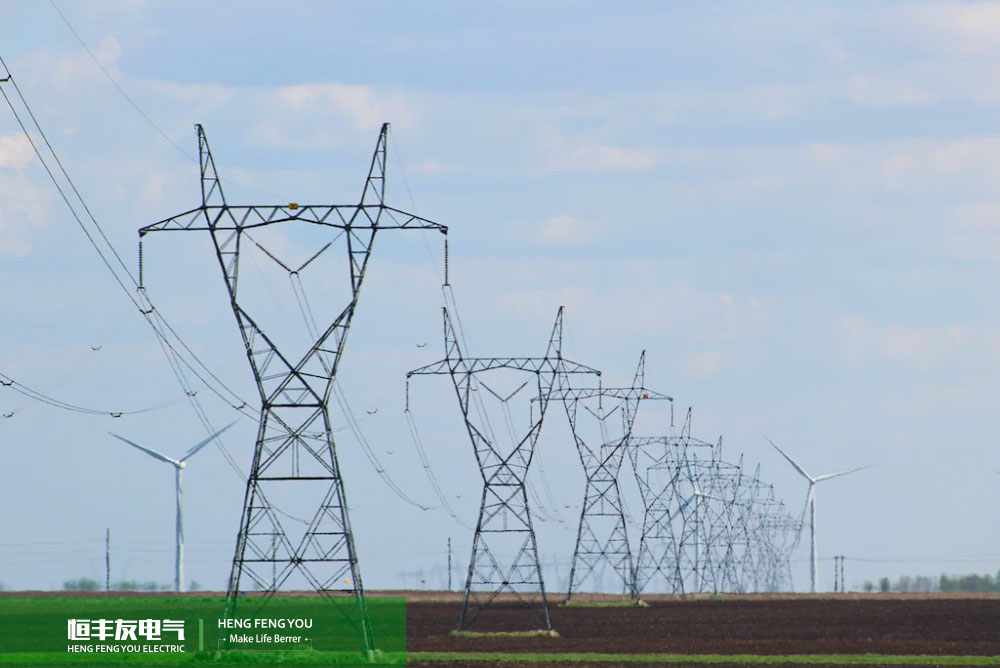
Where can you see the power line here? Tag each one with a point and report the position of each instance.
(123, 276)
(117, 86)
(20, 388)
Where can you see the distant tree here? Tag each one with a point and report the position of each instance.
(869, 587)
(135, 585)
(883, 585)
(195, 586)
(81, 584)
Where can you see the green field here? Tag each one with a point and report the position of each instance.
(185, 631)
(784, 659)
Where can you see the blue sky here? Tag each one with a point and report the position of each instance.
(790, 206)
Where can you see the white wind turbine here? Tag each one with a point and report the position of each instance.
(810, 507)
(178, 467)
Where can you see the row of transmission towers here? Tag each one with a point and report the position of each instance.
(707, 525)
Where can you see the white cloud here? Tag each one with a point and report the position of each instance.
(360, 104)
(566, 229)
(206, 96)
(704, 364)
(881, 91)
(915, 165)
(15, 151)
(974, 216)
(432, 166)
(75, 69)
(962, 27)
(607, 159)
(919, 346)
(108, 52)
(22, 211)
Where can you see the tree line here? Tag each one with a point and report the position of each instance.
(89, 584)
(923, 583)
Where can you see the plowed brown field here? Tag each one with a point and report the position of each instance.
(745, 625)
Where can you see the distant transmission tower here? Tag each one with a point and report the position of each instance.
(294, 456)
(670, 525)
(504, 550)
(602, 538)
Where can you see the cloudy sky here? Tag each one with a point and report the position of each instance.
(790, 206)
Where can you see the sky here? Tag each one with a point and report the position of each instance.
(789, 206)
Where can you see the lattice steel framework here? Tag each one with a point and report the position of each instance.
(710, 526)
(602, 537)
(295, 443)
(668, 526)
(504, 526)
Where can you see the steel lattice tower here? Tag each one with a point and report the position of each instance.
(660, 465)
(295, 445)
(602, 537)
(504, 524)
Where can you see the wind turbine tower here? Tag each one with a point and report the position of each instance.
(178, 465)
(810, 507)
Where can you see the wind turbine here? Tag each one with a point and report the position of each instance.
(178, 467)
(811, 507)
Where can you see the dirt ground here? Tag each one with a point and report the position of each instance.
(845, 624)
(749, 624)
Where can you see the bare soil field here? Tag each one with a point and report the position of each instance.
(843, 624)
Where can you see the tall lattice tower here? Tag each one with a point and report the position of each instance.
(504, 566)
(294, 456)
(602, 535)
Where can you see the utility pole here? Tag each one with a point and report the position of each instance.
(107, 559)
(449, 563)
(836, 575)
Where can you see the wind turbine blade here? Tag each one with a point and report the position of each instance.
(790, 460)
(148, 451)
(202, 444)
(828, 476)
(687, 502)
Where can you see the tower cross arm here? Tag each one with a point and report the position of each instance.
(408, 221)
(339, 216)
(442, 367)
(189, 220)
(627, 393)
(479, 364)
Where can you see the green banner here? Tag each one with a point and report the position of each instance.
(185, 630)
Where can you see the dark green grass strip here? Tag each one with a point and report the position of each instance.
(260, 659)
(505, 634)
(822, 659)
(604, 604)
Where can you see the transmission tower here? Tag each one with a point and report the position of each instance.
(671, 519)
(294, 455)
(602, 538)
(504, 550)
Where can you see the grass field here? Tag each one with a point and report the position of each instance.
(737, 659)
(344, 659)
